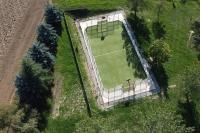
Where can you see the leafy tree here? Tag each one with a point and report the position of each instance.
(39, 53)
(33, 85)
(188, 106)
(159, 52)
(20, 124)
(191, 83)
(48, 36)
(6, 112)
(52, 15)
(196, 35)
(18, 120)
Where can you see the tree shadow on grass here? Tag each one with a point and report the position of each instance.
(190, 114)
(158, 29)
(140, 29)
(131, 56)
(162, 79)
(79, 13)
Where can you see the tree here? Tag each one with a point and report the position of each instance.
(33, 85)
(47, 35)
(191, 83)
(22, 123)
(52, 15)
(196, 35)
(15, 120)
(159, 52)
(188, 105)
(39, 53)
(6, 112)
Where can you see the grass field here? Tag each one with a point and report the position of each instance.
(73, 117)
(110, 54)
(91, 4)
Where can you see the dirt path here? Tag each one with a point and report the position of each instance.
(22, 40)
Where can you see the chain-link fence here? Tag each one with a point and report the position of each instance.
(129, 90)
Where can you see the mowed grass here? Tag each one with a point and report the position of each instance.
(91, 4)
(110, 57)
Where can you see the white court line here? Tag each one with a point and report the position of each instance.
(116, 51)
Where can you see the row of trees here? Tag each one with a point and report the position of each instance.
(35, 80)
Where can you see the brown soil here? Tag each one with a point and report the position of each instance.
(17, 32)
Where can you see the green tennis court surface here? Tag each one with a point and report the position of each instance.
(111, 54)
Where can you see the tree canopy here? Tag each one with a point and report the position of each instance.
(33, 85)
(191, 82)
(52, 15)
(17, 120)
(159, 51)
(48, 36)
(39, 53)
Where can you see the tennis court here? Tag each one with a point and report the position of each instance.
(113, 53)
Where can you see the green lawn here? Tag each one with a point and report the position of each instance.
(73, 116)
(110, 55)
(91, 4)
(72, 106)
(176, 23)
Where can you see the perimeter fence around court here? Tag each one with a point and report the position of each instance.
(109, 97)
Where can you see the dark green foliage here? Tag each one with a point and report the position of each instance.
(47, 35)
(196, 35)
(52, 15)
(191, 83)
(39, 53)
(189, 113)
(24, 122)
(34, 85)
(159, 52)
(18, 120)
(191, 92)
